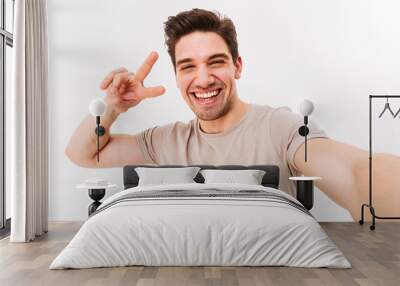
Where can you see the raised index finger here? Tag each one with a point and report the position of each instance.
(145, 68)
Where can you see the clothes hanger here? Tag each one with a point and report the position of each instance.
(397, 113)
(387, 107)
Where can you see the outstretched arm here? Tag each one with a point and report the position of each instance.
(124, 91)
(344, 172)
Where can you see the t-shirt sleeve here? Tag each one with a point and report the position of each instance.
(284, 131)
(151, 143)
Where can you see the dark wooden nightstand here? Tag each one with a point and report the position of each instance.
(305, 190)
(96, 193)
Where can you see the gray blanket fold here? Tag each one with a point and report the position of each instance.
(205, 193)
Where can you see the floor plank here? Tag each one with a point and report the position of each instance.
(374, 255)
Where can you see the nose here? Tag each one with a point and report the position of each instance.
(203, 77)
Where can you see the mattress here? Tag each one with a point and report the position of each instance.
(201, 225)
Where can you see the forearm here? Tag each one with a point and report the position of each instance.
(329, 160)
(82, 146)
(385, 183)
(345, 175)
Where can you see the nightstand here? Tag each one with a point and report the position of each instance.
(96, 193)
(305, 190)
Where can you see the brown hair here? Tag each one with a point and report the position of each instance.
(199, 20)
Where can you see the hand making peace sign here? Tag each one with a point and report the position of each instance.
(125, 89)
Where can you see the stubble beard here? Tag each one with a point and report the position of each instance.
(214, 113)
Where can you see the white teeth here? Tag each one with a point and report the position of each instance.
(206, 94)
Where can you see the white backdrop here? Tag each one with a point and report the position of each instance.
(334, 53)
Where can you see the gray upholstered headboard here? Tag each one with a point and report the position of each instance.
(270, 179)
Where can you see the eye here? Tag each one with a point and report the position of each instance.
(187, 67)
(217, 62)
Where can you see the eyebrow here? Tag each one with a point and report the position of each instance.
(219, 55)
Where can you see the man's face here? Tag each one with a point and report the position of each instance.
(205, 74)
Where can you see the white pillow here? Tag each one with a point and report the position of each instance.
(162, 176)
(249, 177)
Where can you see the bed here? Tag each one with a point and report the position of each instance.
(201, 224)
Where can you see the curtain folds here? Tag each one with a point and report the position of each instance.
(28, 123)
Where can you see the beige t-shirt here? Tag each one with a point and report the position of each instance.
(264, 136)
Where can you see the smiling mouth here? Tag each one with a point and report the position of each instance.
(206, 98)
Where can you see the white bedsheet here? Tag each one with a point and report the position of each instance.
(200, 231)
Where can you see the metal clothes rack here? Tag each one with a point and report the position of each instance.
(369, 205)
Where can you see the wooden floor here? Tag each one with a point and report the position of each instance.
(374, 255)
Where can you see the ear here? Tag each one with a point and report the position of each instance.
(238, 67)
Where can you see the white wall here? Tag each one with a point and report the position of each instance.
(335, 53)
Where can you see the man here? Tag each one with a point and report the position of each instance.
(204, 52)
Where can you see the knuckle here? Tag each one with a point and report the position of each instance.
(120, 69)
(116, 72)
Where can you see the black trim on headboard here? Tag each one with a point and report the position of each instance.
(270, 179)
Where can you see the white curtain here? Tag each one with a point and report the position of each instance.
(28, 122)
